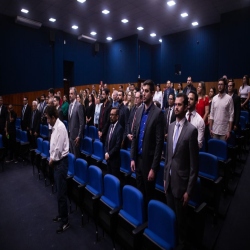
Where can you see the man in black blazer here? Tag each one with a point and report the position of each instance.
(189, 86)
(168, 91)
(237, 105)
(147, 143)
(34, 124)
(25, 115)
(3, 117)
(104, 119)
(181, 166)
(169, 115)
(57, 105)
(113, 144)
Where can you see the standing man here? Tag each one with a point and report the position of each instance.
(25, 117)
(104, 119)
(194, 118)
(189, 86)
(237, 105)
(169, 115)
(42, 104)
(57, 105)
(59, 149)
(115, 98)
(34, 124)
(181, 166)
(168, 91)
(3, 117)
(113, 144)
(222, 113)
(75, 123)
(51, 92)
(147, 143)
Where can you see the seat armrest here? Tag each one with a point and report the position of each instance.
(97, 197)
(82, 185)
(128, 174)
(140, 229)
(202, 206)
(115, 211)
(218, 180)
(69, 177)
(25, 143)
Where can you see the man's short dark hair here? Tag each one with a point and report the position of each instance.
(151, 85)
(52, 91)
(132, 84)
(106, 91)
(121, 86)
(172, 96)
(26, 98)
(116, 110)
(57, 98)
(195, 95)
(223, 80)
(136, 89)
(43, 95)
(190, 77)
(184, 97)
(121, 92)
(52, 111)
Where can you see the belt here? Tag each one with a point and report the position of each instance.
(58, 162)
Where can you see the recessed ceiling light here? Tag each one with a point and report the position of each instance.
(124, 20)
(153, 34)
(52, 19)
(74, 27)
(140, 28)
(105, 12)
(93, 33)
(160, 40)
(109, 38)
(171, 3)
(81, 1)
(195, 23)
(24, 11)
(184, 14)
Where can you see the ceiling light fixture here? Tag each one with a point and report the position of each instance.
(105, 12)
(195, 23)
(160, 40)
(171, 3)
(140, 28)
(81, 1)
(124, 20)
(109, 38)
(74, 27)
(93, 33)
(25, 11)
(184, 14)
(52, 19)
(153, 34)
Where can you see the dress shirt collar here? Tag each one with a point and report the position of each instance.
(221, 95)
(148, 109)
(182, 121)
(25, 105)
(56, 124)
(73, 103)
(114, 125)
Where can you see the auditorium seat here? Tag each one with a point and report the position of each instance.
(160, 232)
(244, 129)
(86, 148)
(92, 132)
(2, 152)
(233, 149)
(159, 184)
(34, 152)
(130, 217)
(98, 155)
(18, 123)
(110, 205)
(44, 161)
(24, 146)
(65, 123)
(125, 168)
(86, 131)
(18, 135)
(71, 172)
(133, 179)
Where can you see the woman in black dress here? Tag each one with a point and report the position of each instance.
(90, 111)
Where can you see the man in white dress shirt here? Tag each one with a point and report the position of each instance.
(59, 149)
(194, 118)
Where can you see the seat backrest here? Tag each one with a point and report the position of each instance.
(98, 149)
(86, 131)
(125, 159)
(46, 148)
(112, 189)
(45, 130)
(208, 165)
(160, 175)
(81, 170)
(92, 132)
(133, 203)
(24, 137)
(162, 221)
(19, 134)
(41, 129)
(232, 140)
(245, 114)
(65, 123)
(87, 145)
(71, 159)
(203, 149)
(195, 199)
(243, 122)
(95, 179)
(1, 141)
(218, 148)
(39, 144)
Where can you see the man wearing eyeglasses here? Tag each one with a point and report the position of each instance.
(222, 114)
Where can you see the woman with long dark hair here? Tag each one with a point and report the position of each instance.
(244, 93)
(179, 89)
(90, 111)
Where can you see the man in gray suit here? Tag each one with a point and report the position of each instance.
(75, 123)
(181, 165)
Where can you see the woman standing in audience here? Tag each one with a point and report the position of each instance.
(179, 89)
(131, 100)
(125, 101)
(172, 87)
(97, 111)
(244, 93)
(85, 98)
(212, 93)
(158, 97)
(65, 107)
(38, 103)
(90, 111)
(79, 98)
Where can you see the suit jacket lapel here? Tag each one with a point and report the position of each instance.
(183, 131)
(149, 117)
(170, 137)
(138, 121)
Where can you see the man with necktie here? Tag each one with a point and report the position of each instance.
(169, 115)
(113, 144)
(25, 116)
(181, 166)
(168, 91)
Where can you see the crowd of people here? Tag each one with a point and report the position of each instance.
(140, 119)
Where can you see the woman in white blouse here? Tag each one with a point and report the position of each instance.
(97, 111)
(244, 93)
(158, 95)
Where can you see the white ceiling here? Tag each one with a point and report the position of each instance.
(154, 15)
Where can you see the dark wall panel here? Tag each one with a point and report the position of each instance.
(156, 63)
(145, 60)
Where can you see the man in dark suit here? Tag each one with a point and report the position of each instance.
(113, 144)
(169, 115)
(75, 123)
(147, 143)
(25, 116)
(168, 91)
(237, 105)
(104, 119)
(189, 86)
(57, 105)
(181, 165)
(3, 117)
(34, 125)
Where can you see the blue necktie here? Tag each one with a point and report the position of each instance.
(176, 136)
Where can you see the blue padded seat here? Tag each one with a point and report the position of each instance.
(46, 147)
(71, 168)
(125, 161)
(95, 185)
(87, 146)
(218, 148)
(98, 151)
(81, 171)
(159, 184)
(39, 149)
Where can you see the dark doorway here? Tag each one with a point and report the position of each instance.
(68, 76)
